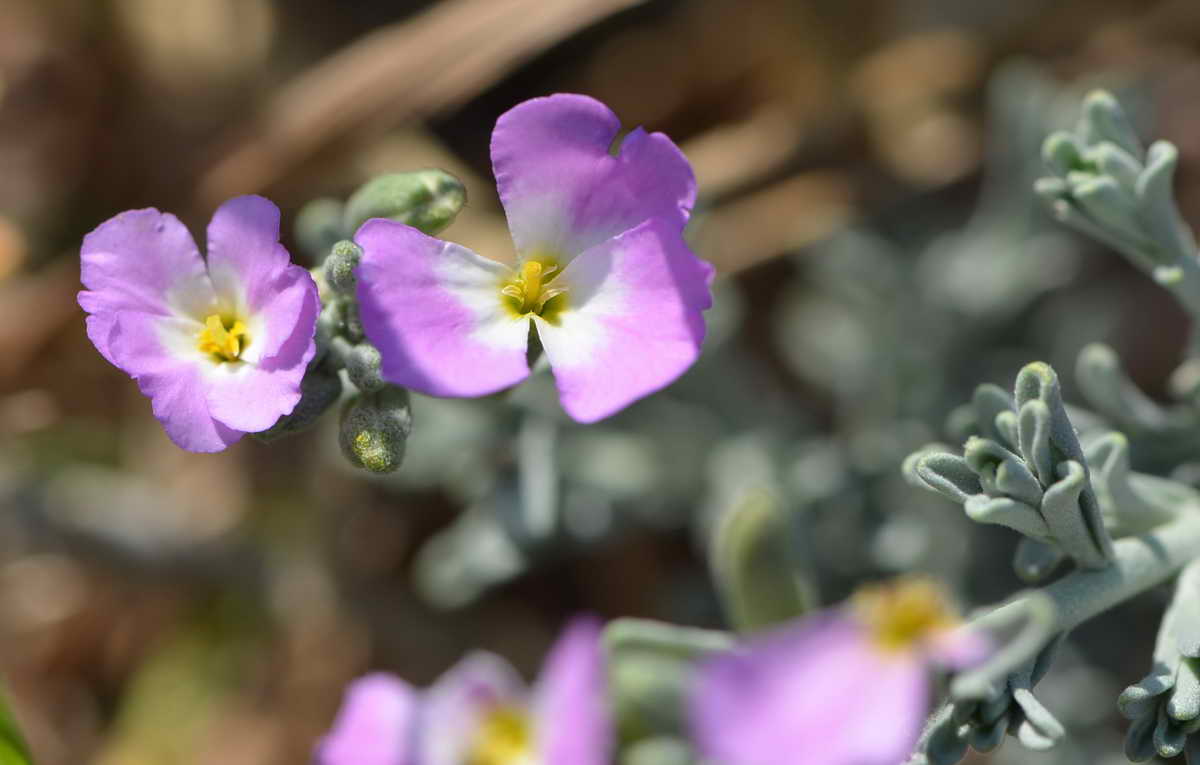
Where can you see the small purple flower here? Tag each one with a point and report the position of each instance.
(845, 687)
(219, 345)
(603, 272)
(481, 713)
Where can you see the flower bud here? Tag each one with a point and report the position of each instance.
(425, 199)
(375, 428)
(362, 365)
(339, 267)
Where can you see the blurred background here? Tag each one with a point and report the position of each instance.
(865, 170)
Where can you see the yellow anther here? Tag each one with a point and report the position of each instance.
(225, 343)
(902, 614)
(528, 288)
(504, 738)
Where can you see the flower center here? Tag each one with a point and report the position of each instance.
(223, 338)
(504, 738)
(902, 614)
(530, 289)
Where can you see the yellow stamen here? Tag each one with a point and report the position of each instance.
(504, 738)
(531, 274)
(224, 340)
(905, 613)
(528, 291)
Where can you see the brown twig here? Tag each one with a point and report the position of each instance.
(405, 71)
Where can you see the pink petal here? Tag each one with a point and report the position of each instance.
(252, 272)
(633, 323)
(434, 311)
(459, 701)
(175, 383)
(570, 702)
(137, 261)
(562, 190)
(252, 395)
(819, 691)
(375, 725)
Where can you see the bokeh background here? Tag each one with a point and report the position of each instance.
(865, 170)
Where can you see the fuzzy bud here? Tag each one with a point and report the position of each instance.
(375, 428)
(425, 199)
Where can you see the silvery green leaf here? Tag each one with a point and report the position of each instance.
(755, 564)
(1033, 439)
(1007, 512)
(1168, 738)
(1038, 381)
(1186, 623)
(1154, 189)
(1034, 560)
(1103, 119)
(1053, 190)
(982, 455)
(1104, 384)
(1139, 740)
(1062, 153)
(1014, 479)
(1007, 427)
(1142, 698)
(988, 401)
(1112, 160)
(1184, 704)
(1106, 202)
(1062, 509)
(1131, 503)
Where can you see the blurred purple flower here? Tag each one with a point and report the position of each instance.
(844, 687)
(603, 272)
(219, 345)
(481, 713)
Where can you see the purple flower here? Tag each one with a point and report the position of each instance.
(219, 345)
(481, 713)
(603, 272)
(845, 687)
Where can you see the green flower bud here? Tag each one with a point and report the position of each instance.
(362, 365)
(425, 199)
(375, 428)
(319, 390)
(339, 267)
(318, 225)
